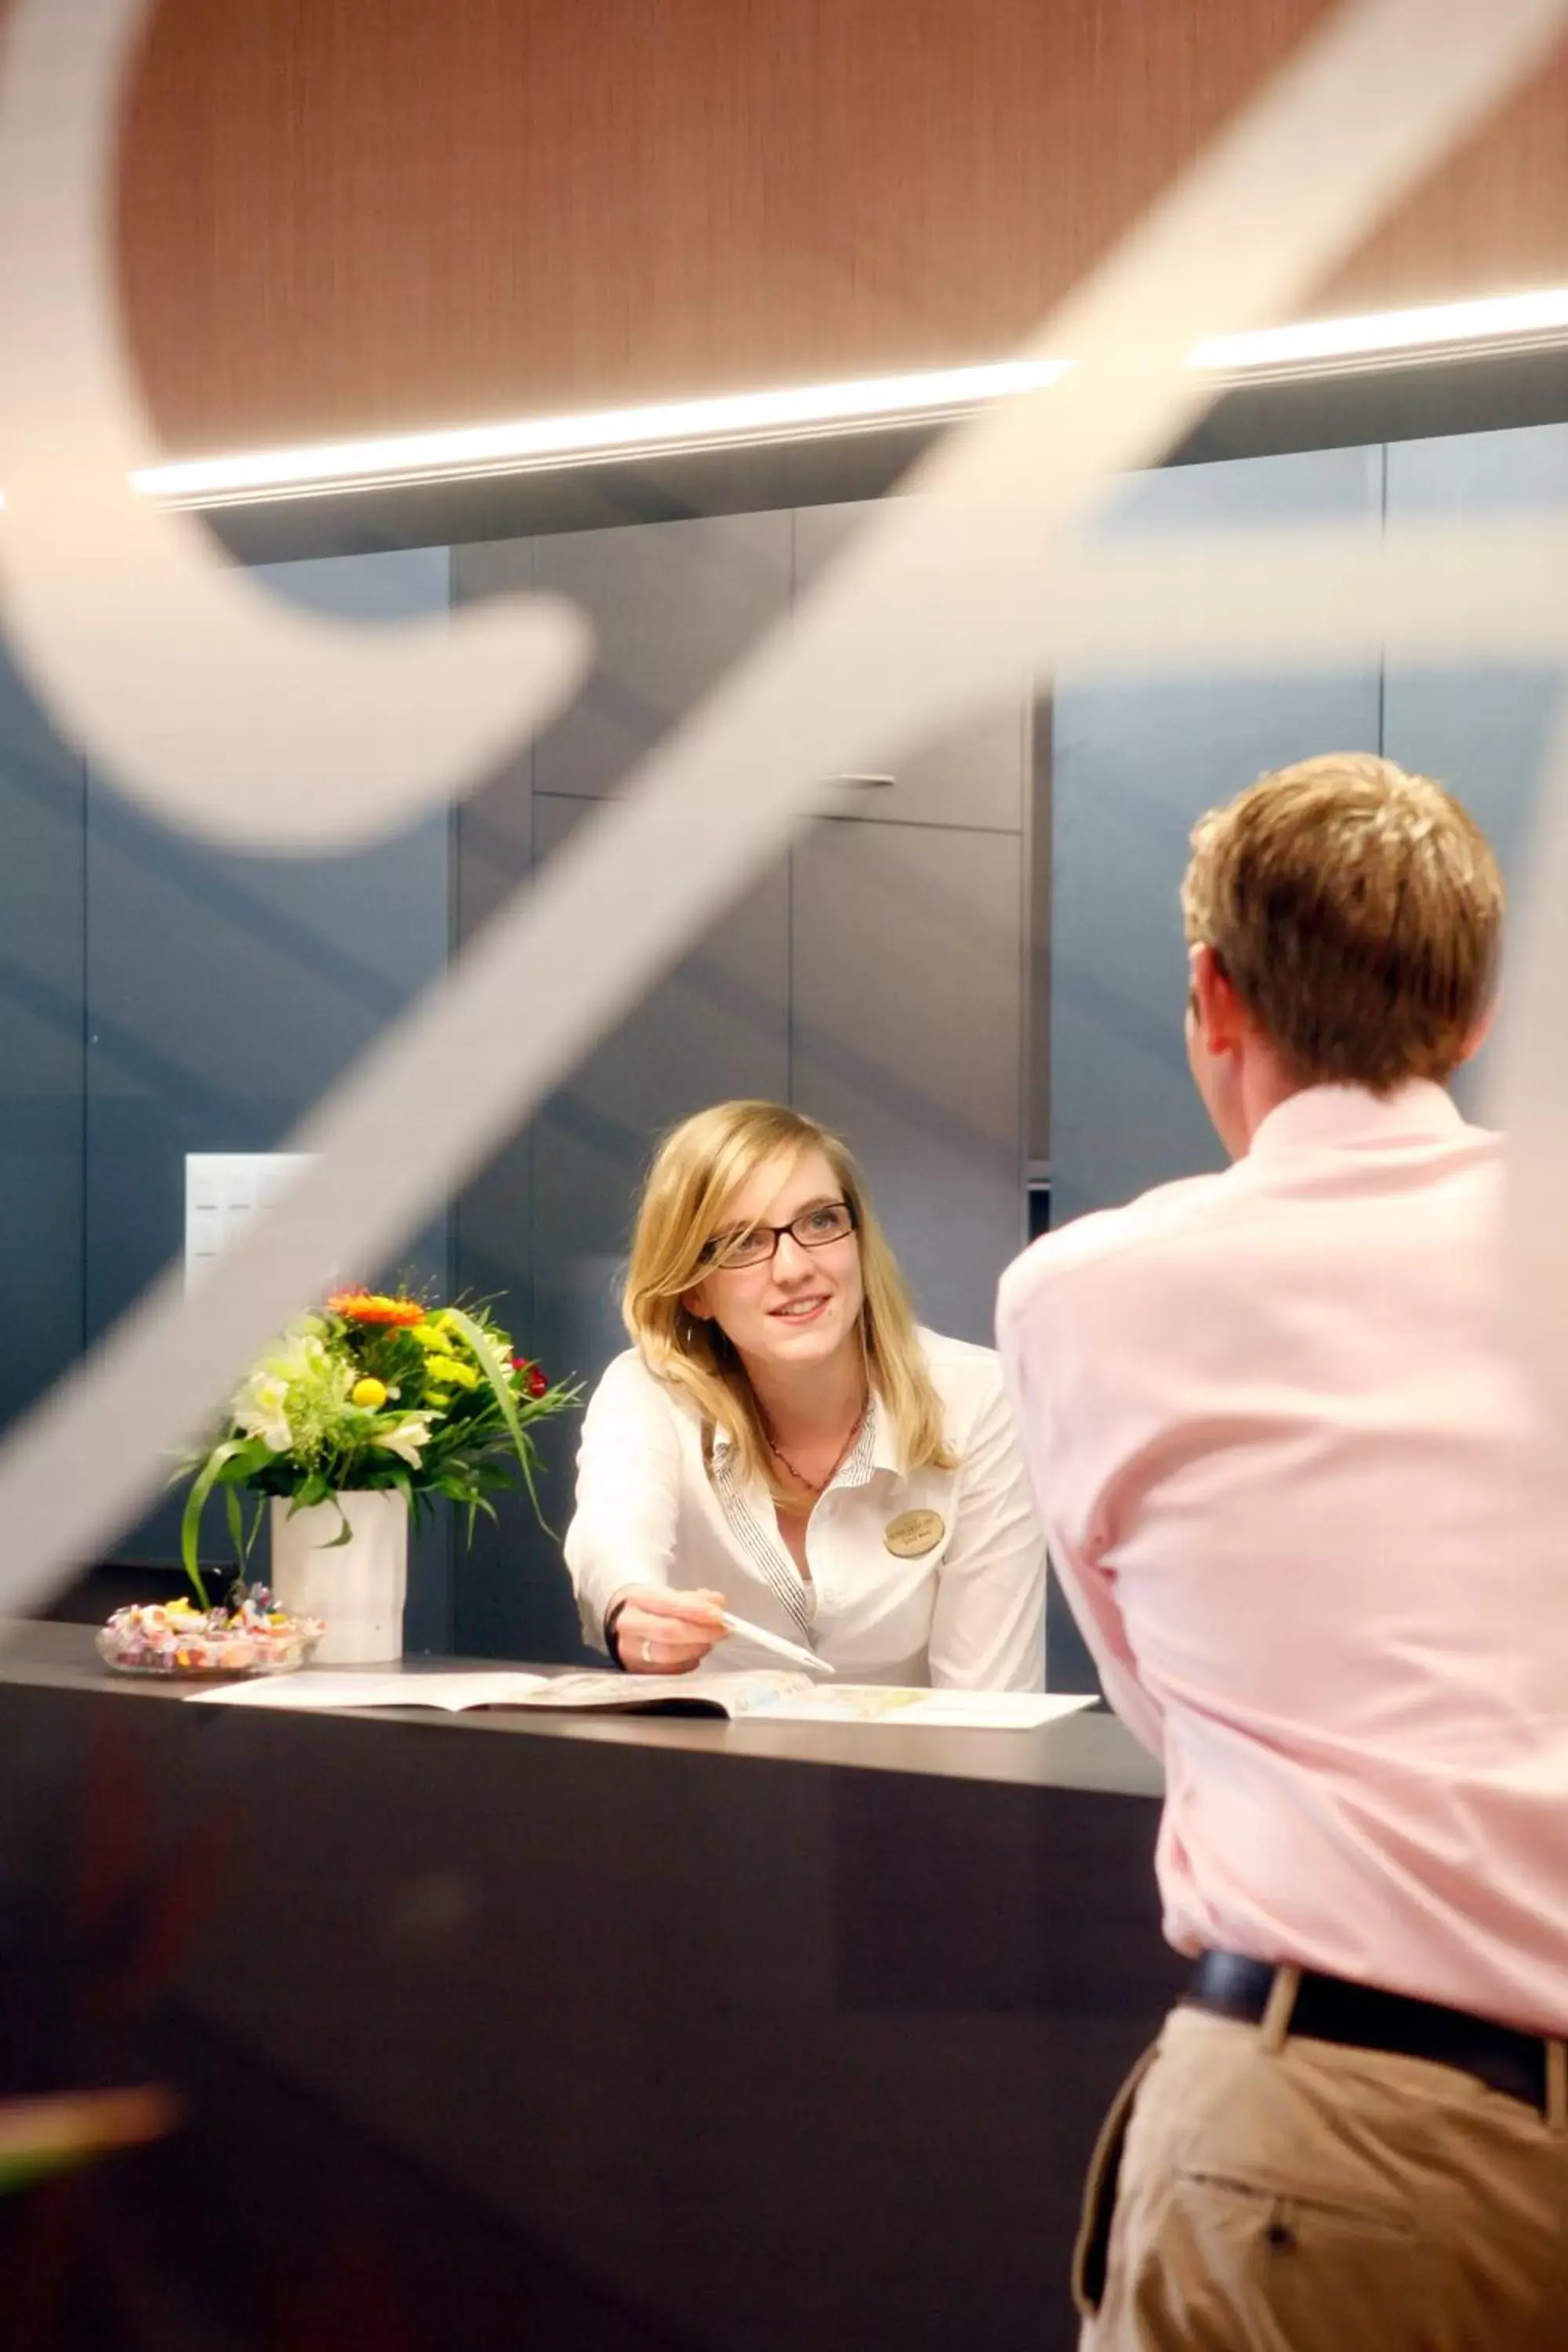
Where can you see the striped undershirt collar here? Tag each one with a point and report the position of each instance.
(754, 1526)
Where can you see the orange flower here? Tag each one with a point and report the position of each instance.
(372, 1306)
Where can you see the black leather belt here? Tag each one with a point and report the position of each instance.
(1362, 2018)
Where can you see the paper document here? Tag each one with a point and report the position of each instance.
(960, 1710)
(318, 1689)
(764, 1697)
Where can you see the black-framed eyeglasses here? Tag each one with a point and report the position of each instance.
(828, 1220)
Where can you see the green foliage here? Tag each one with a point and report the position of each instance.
(376, 1392)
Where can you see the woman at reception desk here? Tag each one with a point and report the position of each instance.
(784, 1441)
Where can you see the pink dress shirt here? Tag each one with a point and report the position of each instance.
(1303, 1505)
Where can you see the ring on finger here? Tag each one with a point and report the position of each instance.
(647, 1652)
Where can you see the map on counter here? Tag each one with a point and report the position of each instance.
(960, 1710)
(466, 1690)
(761, 1697)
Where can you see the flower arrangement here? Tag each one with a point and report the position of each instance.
(376, 1391)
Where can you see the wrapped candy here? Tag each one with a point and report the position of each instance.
(252, 1636)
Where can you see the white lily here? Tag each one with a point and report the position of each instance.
(261, 1409)
(409, 1439)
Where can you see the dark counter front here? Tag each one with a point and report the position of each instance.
(568, 2032)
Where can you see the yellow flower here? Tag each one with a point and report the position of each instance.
(429, 1335)
(370, 1394)
(447, 1369)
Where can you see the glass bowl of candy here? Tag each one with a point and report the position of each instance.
(175, 1639)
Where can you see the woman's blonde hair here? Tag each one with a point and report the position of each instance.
(696, 1171)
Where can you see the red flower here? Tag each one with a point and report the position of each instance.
(522, 1364)
(538, 1385)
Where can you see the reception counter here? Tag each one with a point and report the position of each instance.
(588, 2031)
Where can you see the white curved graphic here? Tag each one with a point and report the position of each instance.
(940, 599)
(220, 709)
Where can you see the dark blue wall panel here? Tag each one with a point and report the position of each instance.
(41, 1049)
(228, 992)
(1135, 763)
(1483, 729)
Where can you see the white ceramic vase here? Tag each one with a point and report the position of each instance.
(357, 1589)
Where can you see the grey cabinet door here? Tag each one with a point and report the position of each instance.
(1134, 762)
(227, 992)
(1484, 729)
(674, 605)
(717, 1027)
(42, 791)
(972, 775)
(907, 1040)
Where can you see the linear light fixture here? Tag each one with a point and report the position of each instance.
(1502, 319)
(796, 413)
(1518, 321)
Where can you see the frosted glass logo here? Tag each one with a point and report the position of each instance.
(269, 727)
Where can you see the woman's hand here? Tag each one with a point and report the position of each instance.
(659, 1632)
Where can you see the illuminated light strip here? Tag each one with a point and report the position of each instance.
(1499, 319)
(551, 441)
(470, 452)
(540, 444)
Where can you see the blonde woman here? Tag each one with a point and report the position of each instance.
(784, 1440)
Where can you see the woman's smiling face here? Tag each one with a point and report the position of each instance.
(802, 1305)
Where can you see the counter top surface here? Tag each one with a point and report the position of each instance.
(1087, 1751)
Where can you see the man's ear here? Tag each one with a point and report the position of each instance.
(1214, 1003)
(1482, 1028)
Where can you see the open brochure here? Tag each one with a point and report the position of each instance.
(781, 1697)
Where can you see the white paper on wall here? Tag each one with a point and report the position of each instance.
(224, 1192)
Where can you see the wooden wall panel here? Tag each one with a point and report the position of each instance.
(345, 214)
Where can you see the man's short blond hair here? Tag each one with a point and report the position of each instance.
(1357, 911)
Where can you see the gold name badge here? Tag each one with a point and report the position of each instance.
(914, 1533)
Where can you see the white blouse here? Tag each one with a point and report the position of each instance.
(967, 1610)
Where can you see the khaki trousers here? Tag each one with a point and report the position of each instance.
(1278, 2195)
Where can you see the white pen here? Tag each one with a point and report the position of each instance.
(774, 1641)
